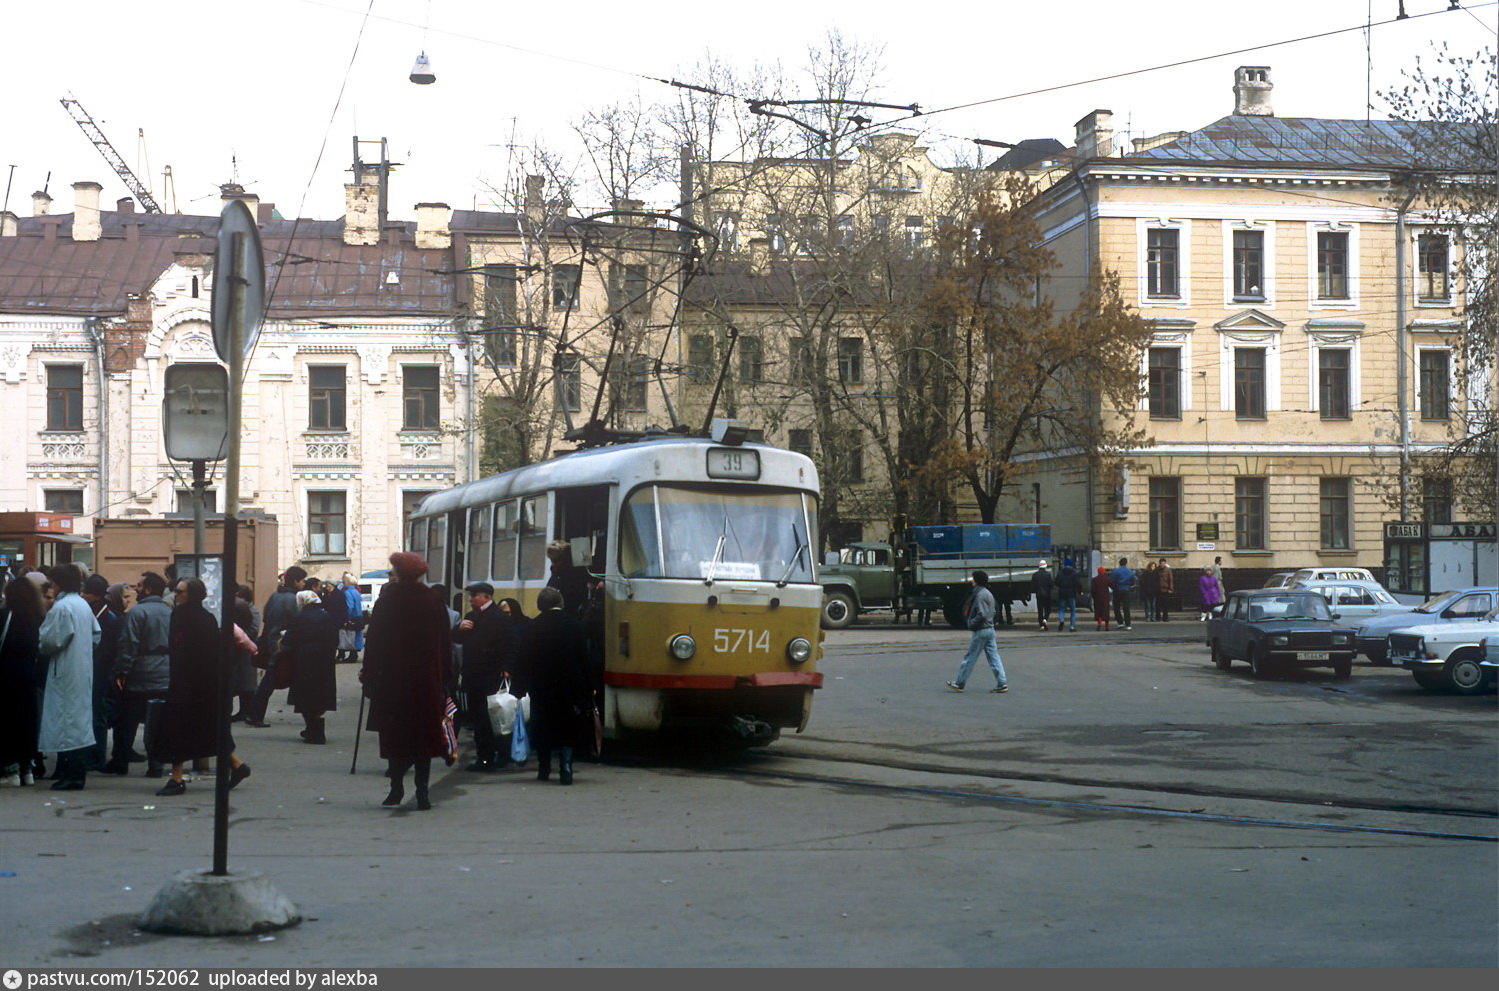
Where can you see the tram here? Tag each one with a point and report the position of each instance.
(707, 553)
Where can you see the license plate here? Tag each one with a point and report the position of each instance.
(1312, 655)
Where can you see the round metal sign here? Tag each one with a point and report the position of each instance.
(238, 280)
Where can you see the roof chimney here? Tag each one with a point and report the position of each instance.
(534, 208)
(10, 226)
(86, 225)
(231, 191)
(432, 229)
(125, 205)
(1095, 135)
(361, 213)
(265, 213)
(41, 203)
(1252, 88)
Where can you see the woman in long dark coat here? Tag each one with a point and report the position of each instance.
(408, 652)
(19, 716)
(187, 730)
(554, 672)
(312, 639)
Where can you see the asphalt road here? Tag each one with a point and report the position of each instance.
(1125, 804)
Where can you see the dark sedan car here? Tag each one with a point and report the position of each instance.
(1276, 629)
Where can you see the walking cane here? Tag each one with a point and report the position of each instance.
(358, 731)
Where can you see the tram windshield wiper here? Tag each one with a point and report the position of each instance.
(717, 553)
(801, 548)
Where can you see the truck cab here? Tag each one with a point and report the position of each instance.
(860, 579)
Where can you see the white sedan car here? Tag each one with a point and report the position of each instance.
(1447, 656)
(1354, 601)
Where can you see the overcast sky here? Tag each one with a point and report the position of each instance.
(218, 87)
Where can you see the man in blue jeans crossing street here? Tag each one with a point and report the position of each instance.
(979, 612)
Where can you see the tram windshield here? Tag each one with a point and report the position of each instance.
(670, 531)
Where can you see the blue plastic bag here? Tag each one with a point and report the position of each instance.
(520, 743)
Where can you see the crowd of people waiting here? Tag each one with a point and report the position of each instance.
(86, 664)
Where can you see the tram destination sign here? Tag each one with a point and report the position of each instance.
(734, 462)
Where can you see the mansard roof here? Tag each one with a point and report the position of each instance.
(1239, 139)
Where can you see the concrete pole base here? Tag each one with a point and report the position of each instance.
(198, 903)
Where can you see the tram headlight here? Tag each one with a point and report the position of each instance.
(682, 647)
(798, 650)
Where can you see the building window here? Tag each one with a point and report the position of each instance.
(850, 360)
(800, 441)
(1336, 512)
(566, 281)
(847, 465)
(326, 397)
(185, 501)
(751, 359)
(1249, 514)
(637, 288)
(700, 357)
(570, 383)
(845, 232)
(1436, 500)
(803, 368)
(637, 378)
(68, 501)
(1332, 265)
(1165, 383)
(1162, 262)
(419, 390)
(64, 397)
(1436, 384)
(1249, 383)
(1249, 265)
(913, 232)
(1431, 266)
(1165, 514)
(501, 291)
(728, 232)
(1334, 391)
(327, 523)
(775, 232)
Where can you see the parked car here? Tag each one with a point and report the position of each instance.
(1331, 575)
(1276, 629)
(1458, 605)
(1356, 601)
(1488, 647)
(1446, 655)
(371, 584)
(1281, 579)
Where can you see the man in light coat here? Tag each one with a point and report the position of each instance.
(67, 640)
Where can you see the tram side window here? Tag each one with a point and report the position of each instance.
(479, 520)
(533, 538)
(416, 539)
(639, 555)
(502, 564)
(437, 548)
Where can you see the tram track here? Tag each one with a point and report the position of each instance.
(941, 788)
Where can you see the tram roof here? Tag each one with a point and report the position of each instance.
(620, 463)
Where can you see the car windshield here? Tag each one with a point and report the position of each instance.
(669, 531)
(1435, 603)
(1288, 607)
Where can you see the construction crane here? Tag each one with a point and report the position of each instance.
(91, 131)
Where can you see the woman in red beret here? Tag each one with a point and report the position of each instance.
(407, 656)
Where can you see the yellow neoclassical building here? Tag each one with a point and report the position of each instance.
(1304, 315)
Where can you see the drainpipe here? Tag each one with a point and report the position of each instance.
(1402, 370)
(91, 324)
(470, 467)
(1090, 480)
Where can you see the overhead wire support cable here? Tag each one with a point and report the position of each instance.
(91, 130)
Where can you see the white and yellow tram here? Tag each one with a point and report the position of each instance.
(707, 550)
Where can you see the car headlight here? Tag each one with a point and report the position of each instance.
(1342, 638)
(798, 650)
(1280, 641)
(682, 647)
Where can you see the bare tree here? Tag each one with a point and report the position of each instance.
(1452, 104)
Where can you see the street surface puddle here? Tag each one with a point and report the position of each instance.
(142, 812)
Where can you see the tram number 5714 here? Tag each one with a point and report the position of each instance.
(727, 641)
